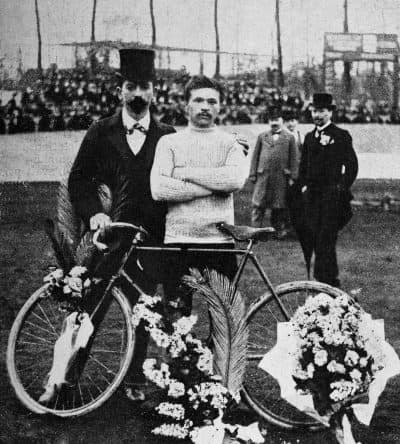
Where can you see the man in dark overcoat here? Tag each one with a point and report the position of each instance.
(273, 168)
(120, 150)
(328, 168)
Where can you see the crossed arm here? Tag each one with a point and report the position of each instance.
(181, 184)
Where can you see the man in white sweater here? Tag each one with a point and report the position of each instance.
(196, 171)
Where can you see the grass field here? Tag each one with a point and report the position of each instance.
(369, 256)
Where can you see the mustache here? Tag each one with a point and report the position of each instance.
(137, 104)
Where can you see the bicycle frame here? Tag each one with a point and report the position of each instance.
(245, 254)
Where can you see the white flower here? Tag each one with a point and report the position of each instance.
(172, 430)
(356, 375)
(342, 390)
(321, 357)
(310, 370)
(335, 367)
(74, 283)
(175, 411)
(160, 377)
(299, 373)
(351, 358)
(77, 271)
(54, 277)
(176, 389)
(177, 345)
(363, 362)
(148, 300)
(159, 337)
(184, 325)
(205, 361)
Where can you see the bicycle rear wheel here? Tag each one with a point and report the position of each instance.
(261, 391)
(30, 355)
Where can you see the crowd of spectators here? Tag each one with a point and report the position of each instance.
(73, 100)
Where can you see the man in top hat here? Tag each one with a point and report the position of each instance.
(328, 168)
(273, 168)
(117, 153)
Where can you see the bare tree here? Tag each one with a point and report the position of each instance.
(39, 35)
(153, 24)
(217, 48)
(279, 46)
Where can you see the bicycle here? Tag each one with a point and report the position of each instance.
(109, 353)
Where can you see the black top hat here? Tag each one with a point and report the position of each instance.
(323, 100)
(137, 65)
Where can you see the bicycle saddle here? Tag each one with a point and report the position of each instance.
(244, 233)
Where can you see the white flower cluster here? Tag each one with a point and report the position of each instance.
(74, 283)
(174, 430)
(330, 340)
(160, 377)
(175, 411)
(213, 392)
(142, 312)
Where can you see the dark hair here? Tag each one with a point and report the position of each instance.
(198, 82)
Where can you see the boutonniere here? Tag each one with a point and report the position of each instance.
(326, 140)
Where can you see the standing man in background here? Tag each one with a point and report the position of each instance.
(328, 168)
(196, 172)
(290, 121)
(118, 152)
(273, 169)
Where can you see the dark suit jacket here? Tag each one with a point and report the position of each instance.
(106, 158)
(321, 165)
(328, 170)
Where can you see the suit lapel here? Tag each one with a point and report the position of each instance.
(118, 137)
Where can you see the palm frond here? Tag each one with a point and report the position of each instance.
(61, 246)
(67, 220)
(113, 193)
(86, 253)
(229, 329)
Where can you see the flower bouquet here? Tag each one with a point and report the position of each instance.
(194, 397)
(334, 360)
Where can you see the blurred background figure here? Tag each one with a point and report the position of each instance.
(273, 168)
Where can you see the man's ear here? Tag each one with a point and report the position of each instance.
(119, 91)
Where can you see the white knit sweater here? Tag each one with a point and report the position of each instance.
(196, 171)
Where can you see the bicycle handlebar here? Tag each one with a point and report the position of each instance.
(104, 247)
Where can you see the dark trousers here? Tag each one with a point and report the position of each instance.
(323, 213)
(177, 264)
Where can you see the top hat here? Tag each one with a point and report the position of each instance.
(323, 100)
(137, 65)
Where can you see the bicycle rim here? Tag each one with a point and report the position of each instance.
(261, 391)
(30, 355)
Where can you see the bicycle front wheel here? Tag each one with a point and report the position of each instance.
(30, 355)
(261, 391)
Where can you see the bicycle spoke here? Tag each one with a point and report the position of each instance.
(38, 337)
(33, 343)
(80, 393)
(47, 319)
(33, 380)
(98, 388)
(98, 350)
(41, 328)
(102, 365)
(29, 367)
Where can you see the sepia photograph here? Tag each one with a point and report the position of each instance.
(199, 221)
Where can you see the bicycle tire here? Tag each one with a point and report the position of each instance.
(40, 352)
(267, 402)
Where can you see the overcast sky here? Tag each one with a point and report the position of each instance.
(245, 26)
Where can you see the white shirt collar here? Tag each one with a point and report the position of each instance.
(321, 128)
(128, 121)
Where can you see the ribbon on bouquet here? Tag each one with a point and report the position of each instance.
(215, 433)
(76, 331)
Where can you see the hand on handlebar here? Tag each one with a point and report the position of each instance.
(99, 221)
(139, 233)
